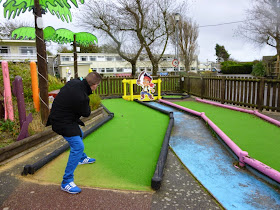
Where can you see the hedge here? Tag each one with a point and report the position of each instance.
(240, 68)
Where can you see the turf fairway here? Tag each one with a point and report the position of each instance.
(172, 96)
(259, 138)
(126, 150)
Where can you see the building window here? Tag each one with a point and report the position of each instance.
(83, 58)
(119, 69)
(65, 58)
(109, 58)
(108, 70)
(149, 69)
(94, 69)
(163, 69)
(182, 69)
(92, 58)
(4, 50)
(118, 58)
(27, 50)
(102, 70)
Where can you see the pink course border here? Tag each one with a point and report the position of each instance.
(255, 112)
(242, 155)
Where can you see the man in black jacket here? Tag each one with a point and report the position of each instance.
(69, 105)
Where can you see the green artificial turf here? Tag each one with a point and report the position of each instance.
(259, 138)
(126, 150)
(171, 96)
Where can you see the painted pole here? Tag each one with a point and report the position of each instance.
(18, 93)
(35, 87)
(159, 88)
(23, 120)
(8, 104)
(75, 58)
(131, 90)
(124, 87)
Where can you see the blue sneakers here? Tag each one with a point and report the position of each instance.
(70, 188)
(87, 160)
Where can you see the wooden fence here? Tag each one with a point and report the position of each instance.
(251, 92)
(114, 86)
(273, 69)
(257, 93)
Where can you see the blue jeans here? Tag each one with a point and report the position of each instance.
(76, 155)
(145, 92)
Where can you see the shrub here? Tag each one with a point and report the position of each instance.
(7, 125)
(259, 69)
(54, 83)
(208, 73)
(189, 73)
(231, 67)
(94, 101)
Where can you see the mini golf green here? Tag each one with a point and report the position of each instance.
(126, 150)
(172, 96)
(259, 138)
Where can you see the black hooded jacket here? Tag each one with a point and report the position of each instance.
(69, 105)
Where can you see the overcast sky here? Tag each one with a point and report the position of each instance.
(212, 12)
(204, 12)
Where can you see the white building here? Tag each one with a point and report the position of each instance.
(112, 64)
(103, 63)
(17, 50)
(206, 66)
(209, 66)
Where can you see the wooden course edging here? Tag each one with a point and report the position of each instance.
(31, 141)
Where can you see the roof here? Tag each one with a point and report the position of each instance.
(16, 41)
(269, 58)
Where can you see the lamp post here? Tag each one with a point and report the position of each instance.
(177, 18)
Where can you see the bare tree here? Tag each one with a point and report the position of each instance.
(7, 26)
(105, 16)
(141, 23)
(152, 22)
(187, 40)
(262, 24)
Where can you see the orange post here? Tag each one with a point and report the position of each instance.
(35, 88)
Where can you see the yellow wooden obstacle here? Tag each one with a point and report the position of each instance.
(131, 97)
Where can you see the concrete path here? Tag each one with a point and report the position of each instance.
(212, 165)
(180, 190)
